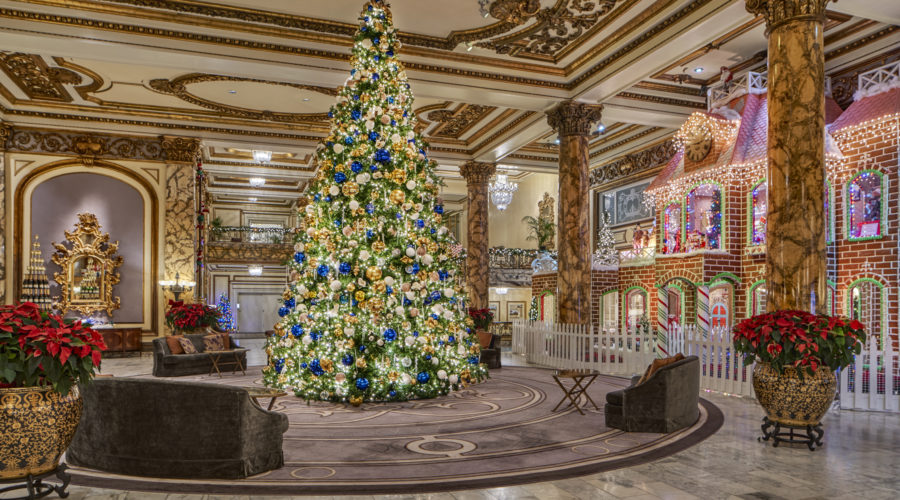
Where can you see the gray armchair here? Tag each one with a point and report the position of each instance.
(666, 402)
(162, 428)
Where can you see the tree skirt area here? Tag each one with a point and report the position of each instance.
(497, 433)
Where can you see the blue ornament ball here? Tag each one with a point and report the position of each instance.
(347, 360)
(340, 177)
(438, 209)
(356, 167)
(299, 257)
(382, 156)
(346, 268)
(322, 270)
(362, 383)
(296, 330)
(422, 377)
(283, 311)
(390, 335)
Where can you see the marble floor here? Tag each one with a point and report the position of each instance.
(859, 460)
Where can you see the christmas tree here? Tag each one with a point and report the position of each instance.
(375, 309)
(226, 319)
(606, 253)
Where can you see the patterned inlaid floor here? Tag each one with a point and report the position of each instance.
(500, 432)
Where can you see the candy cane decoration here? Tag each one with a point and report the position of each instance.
(662, 322)
(703, 310)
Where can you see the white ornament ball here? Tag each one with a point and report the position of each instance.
(409, 340)
(395, 138)
(434, 361)
(370, 124)
(405, 378)
(340, 377)
(338, 148)
(385, 119)
(414, 312)
(449, 293)
(298, 247)
(410, 252)
(399, 310)
(389, 281)
(453, 379)
(310, 231)
(410, 185)
(367, 43)
(380, 342)
(307, 339)
(354, 205)
(364, 255)
(335, 285)
(405, 362)
(441, 374)
(334, 190)
(428, 260)
(348, 331)
(302, 290)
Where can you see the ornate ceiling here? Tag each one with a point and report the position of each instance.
(241, 76)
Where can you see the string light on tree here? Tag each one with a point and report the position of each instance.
(375, 310)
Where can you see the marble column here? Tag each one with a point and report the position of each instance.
(574, 123)
(477, 175)
(180, 221)
(5, 133)
(795, 240)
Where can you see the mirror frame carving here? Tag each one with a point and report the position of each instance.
(66, 256)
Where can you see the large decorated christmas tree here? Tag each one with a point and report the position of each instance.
(375, 310)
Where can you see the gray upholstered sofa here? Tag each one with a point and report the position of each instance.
(666, 402)
(166, 364)
(163, 428)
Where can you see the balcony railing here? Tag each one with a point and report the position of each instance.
(511, 258)
(245, 234)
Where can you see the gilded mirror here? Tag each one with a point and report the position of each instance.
(88, 263)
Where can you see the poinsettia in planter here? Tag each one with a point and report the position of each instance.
(796, 354)
(43, 358)
(191, 317)
(482, 318)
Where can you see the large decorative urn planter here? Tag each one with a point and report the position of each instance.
(791, 399)
(484, 338)
(36, 427)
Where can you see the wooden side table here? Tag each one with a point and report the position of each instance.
(216, 358)
(261, 392)
(581, 380)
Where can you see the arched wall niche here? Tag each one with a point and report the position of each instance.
(47, 199)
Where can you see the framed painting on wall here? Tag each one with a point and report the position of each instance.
(494, 306)
(515, 310)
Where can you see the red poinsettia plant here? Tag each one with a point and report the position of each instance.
(799, 339)
(191, 316)
(38, 349)
(481, 317)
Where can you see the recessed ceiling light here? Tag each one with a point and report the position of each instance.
(698, 69)
(257, 182)
(232, 91)
(305, 99)
(254, 270)
(601, 128)
(252, 198)
(556, 140)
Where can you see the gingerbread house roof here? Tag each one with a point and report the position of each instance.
(868, 108)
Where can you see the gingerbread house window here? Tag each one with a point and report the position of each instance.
(865, 206)
(758, 298)
(609, 310)
(867, 305)
(758, 210)
(704, 218)
(720, 306)
(635, 307)
(671, 233)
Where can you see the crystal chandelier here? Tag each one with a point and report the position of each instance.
(502, 191)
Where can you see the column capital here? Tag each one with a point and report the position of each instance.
(476, 172)
(180, 149)
(778, 12)
(574, 118)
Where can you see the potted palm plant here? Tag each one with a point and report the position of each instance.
(540, 230)
(796, 354)
(43, 358)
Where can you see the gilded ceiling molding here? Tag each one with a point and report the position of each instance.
(555, 27)
(86, 146)
(180, 149)
(645, 37)
(506, 128)
(38, 80)
(454, 124)
(156, 124)
(268, 166)
(778, 12)
(625, 141)
(655, 99)
(5, 133)
(178, 88)
(524, 157)
(574, 118)
(633, 163)
(862, 42)
(672, 89)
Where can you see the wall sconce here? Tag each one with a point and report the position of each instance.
(501, 290)
(255, 270)
(176, 287)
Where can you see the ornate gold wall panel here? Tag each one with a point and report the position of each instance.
(39, 81)
(179, 224)
(223, 252)
(633, 164)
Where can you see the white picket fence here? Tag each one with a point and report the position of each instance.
(872, 382)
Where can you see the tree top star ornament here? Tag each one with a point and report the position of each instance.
(375, 308)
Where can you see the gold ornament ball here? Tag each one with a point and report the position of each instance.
(373, 273)
(398, 197)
